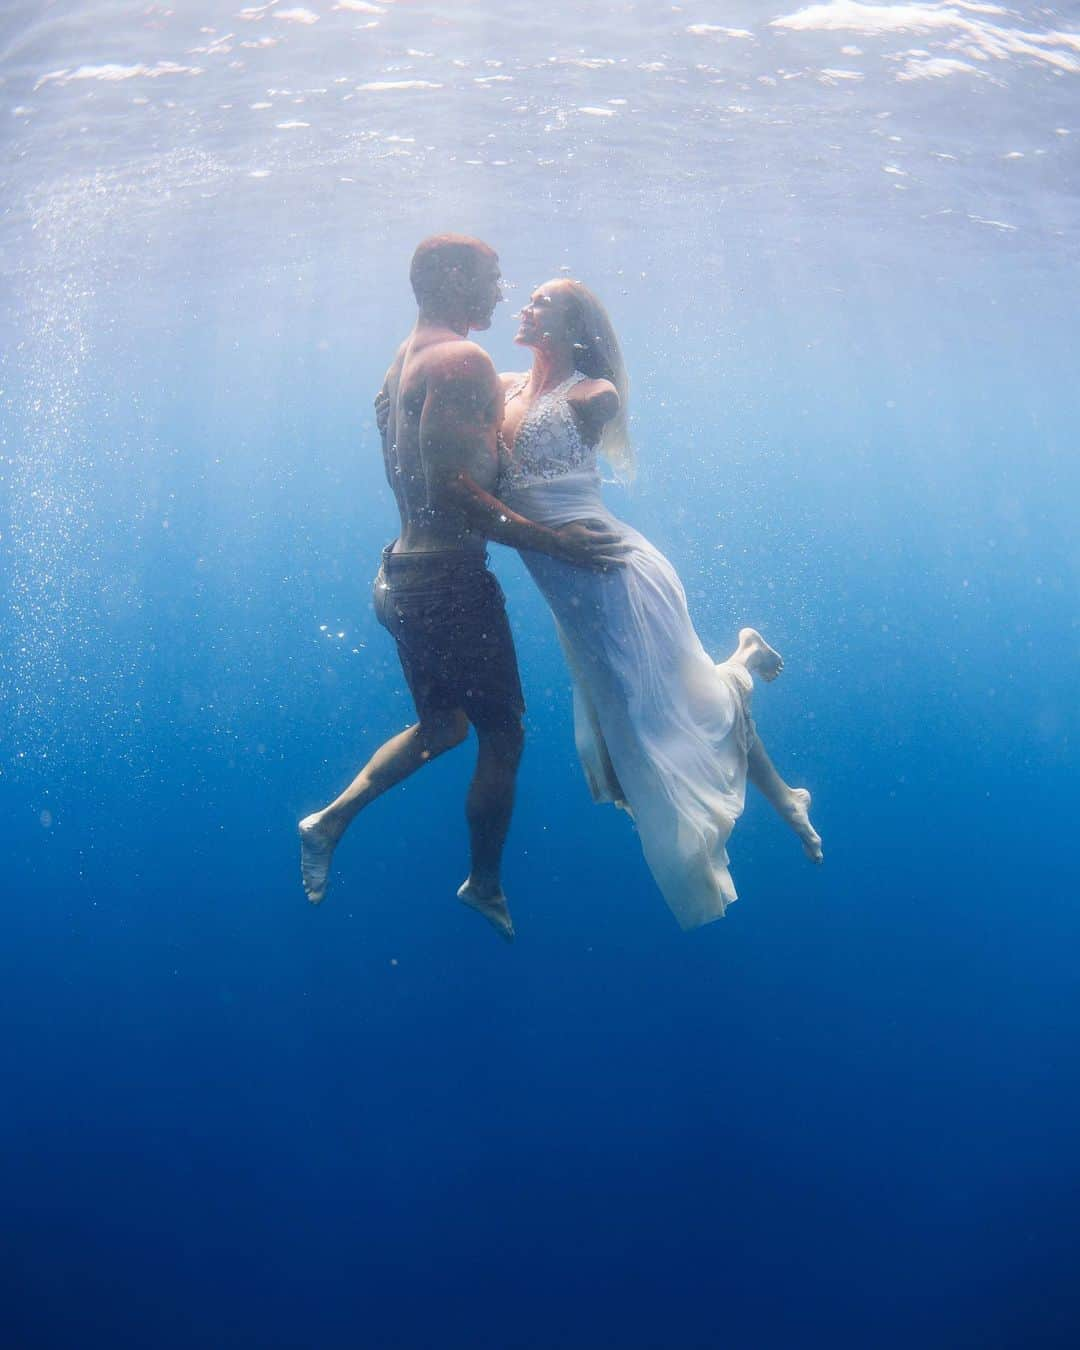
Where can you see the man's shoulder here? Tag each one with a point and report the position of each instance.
(459, 361)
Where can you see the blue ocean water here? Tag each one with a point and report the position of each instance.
(840, 244)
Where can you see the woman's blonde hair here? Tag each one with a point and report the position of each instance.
(598, 355)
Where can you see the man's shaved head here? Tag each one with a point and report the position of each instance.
(446, 263)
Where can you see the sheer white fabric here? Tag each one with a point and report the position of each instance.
(661, 730)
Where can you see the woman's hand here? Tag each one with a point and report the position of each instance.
(382, 411)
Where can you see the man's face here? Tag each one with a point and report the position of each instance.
(484, 293)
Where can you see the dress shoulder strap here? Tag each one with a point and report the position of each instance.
(563, 389)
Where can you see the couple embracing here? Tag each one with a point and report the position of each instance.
(661, 729)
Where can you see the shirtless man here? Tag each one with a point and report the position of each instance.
(440, 408)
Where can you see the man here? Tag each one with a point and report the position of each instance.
(440, 408)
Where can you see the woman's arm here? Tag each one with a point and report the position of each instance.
(595, 403)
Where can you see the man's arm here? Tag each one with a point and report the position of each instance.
(455, 427)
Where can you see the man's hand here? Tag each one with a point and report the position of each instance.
(591, 544)
(382, 411)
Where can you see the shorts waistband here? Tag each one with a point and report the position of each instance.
(433, 562)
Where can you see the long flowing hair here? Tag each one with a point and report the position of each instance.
(598, 355)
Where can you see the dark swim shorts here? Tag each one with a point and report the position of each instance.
(447, 614)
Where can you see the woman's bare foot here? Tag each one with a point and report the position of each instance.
(491, 903)
(797, 815)
(317, 843)
(757, 656)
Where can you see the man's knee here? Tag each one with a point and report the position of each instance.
(505, 736)
(442, 731)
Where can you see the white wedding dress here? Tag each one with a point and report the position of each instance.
(660, 728)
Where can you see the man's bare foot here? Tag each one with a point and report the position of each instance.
(317, 844)
(491, 903)
(757, 656)
(798, 817)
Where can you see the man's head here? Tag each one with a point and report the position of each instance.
(456, 276)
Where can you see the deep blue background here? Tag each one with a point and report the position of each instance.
(844, 1116)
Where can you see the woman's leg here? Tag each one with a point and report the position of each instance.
(755, 654)
(792, 805)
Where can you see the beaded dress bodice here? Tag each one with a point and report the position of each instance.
(548, 444)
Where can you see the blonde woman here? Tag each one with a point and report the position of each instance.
(661, 729)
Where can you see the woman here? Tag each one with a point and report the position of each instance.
(661, 730)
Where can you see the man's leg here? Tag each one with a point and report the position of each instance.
(393, 762)
(792, 805)
(488, 808)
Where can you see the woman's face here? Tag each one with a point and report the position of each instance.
(546, 320)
